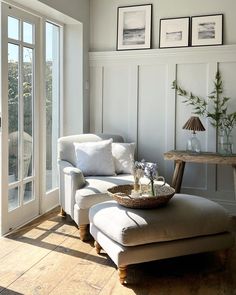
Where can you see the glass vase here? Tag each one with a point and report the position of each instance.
(137, 184)
(225, 143)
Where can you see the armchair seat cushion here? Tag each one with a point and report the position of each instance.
(95, 189)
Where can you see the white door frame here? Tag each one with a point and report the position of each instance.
(46, 200)
(28, 211)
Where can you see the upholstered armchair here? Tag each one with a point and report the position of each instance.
(78, 191)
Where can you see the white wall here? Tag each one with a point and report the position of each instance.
(103, 18)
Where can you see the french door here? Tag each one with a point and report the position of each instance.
(30, 88)
(20, 137)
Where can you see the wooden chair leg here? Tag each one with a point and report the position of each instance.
(122, 272)
(62, 212)
(83, 232)
(224, 256)
(97, 247)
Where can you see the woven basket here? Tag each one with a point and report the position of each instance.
(122, 194)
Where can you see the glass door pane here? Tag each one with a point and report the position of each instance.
(13, 112)
(27, 32)
(13, 28)
(21, 66)
(28, 192)
(52, 103)
(28, 111)
(13, 198)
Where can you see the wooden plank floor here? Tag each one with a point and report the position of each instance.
(47, 257)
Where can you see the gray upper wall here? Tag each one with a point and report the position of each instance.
(78, 9)
(103, 18)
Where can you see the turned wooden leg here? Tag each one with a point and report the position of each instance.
(62, 213)
(223, 256)
(83, 232)
(97, 247)
(122, 272)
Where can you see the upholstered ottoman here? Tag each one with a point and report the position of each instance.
(187, 225)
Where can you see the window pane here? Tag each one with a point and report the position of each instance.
(52, 104)
(28, 192)
(13, 111)
(28, 110)
(13, 28)
(13, 198)
(27, 32)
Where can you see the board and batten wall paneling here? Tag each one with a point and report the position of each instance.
(152, 114)
(134, 91)
(225, 184)
(120, 101)
(191, 77)
(96, 99)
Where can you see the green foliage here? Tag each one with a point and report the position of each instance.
(13, 101)
(219, 117)
(13, 95)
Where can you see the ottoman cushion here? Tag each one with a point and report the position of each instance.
(185, 216)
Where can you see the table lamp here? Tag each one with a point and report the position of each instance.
(193, 143)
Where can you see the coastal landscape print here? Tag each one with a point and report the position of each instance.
(134, 28)
(206, 30)
(174, 32)
(174, 36)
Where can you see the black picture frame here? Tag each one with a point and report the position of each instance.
(134, 27)
(174, 32)
(207, 30)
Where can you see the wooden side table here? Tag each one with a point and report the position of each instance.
(181, 157)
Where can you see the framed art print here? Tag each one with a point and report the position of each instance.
(207, 30)
(174, 32)
(134, 27)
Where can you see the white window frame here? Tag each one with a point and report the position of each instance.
(51, 197)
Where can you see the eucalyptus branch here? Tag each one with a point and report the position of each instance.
(219, 118)
(199, 104)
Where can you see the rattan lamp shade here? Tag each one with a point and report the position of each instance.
(194, 124)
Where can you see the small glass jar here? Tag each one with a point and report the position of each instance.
(193, 144)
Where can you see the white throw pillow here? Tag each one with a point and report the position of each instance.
(123, 154)
(95, 158)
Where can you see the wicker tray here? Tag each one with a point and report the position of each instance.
(122, 194)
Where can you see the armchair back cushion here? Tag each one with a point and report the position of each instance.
(66, 148)
(123, 154)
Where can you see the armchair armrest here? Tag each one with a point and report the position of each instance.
(70, 179)
(76, 176)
